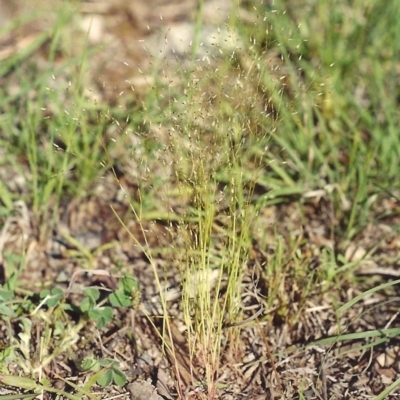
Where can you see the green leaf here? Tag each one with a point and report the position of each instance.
(107, 362)
(12, 281)
(69, 307)
(59, 328)
(101, 323)
(113, 365)
(119, 377)
(56, 295)
(106, 378)
(95, 314)
(6, 197)
(87, 304)
(44, 293)
(89, 364)
(120, 299)
(93, 293)
(7, 311)
(20, 382)
(101, 315)
(5, 353)
(53, 301)
(6, 295)
(107, 313)
(128, 284)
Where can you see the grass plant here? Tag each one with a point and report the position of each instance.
(299, 114)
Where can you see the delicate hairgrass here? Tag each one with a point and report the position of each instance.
(299, 106)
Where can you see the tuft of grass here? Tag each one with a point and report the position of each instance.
(287, 112)
(53, 133)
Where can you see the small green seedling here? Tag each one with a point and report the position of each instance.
(127, 293)
(111, 373)
(98, 313)
(52, 297)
